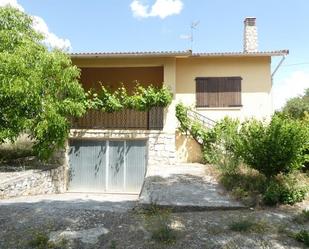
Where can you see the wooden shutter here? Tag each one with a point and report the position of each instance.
(201, 92)
(218, 91)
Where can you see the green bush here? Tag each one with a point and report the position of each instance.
(284, 189)
(298, 106)
(272, 150)
(219, 144)
(277, 147)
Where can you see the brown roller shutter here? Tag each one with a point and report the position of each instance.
(218, 91)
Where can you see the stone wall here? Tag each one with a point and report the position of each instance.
(161, 145)
(32, 182)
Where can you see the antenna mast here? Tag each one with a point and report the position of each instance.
(192, 28)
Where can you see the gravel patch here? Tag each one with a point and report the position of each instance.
(103, 228)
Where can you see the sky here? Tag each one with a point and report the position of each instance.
(160, 25)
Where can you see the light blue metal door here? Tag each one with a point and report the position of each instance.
(135, 165)
(107, 166)
(116, 167)
(87, 161)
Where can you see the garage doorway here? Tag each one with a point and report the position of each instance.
(107, 166)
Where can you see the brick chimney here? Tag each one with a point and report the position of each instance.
(250, 35)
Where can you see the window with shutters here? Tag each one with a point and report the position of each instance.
(218, 91)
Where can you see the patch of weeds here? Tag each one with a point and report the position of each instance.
(302, 218)
(215, 229)
(113, 245)
(41, 241)
(284, 229)
(158, 222)
(253, 188)
(245, 184)
(302, 236)
(153, 209)
(163, 233)
(248, 224)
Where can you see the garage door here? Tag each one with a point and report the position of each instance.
(107, 166)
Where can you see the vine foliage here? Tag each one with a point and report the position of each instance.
(142, 98)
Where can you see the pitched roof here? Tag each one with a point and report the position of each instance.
(133, 54)
(187, 53)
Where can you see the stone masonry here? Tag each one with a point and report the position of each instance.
(161, 145)
(43, 180)
(250, 35)
(33, 182)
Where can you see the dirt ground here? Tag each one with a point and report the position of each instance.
(25, 225)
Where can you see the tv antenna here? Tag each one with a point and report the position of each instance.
(192, 28)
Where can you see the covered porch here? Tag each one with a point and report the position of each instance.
(114, 77)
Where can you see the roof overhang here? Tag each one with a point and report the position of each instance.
(243, 54)
(177, 54)
(132, 54)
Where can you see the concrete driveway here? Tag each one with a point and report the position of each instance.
(100, 202)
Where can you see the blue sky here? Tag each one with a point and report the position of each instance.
(128, 25)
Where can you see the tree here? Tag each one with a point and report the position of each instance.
(298, 106)
(39, 88)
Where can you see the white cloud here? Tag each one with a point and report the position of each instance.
(12, 3)
(161, 8)
(292, 86)
(138, 9)
(185, 37)
(51, 40)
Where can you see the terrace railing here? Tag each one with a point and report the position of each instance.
(126, 119)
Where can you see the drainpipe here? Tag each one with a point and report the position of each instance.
(278, 66)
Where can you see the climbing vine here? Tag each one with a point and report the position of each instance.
(142, 98)
(214, 141)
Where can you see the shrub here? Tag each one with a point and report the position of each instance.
(272, 150)
(277, 147)
(219, 145)
(298, 106)
(284, 189)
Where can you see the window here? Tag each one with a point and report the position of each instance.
(218, 91)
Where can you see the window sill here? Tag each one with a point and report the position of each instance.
(232, 108)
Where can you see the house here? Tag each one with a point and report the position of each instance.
(112, 152)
